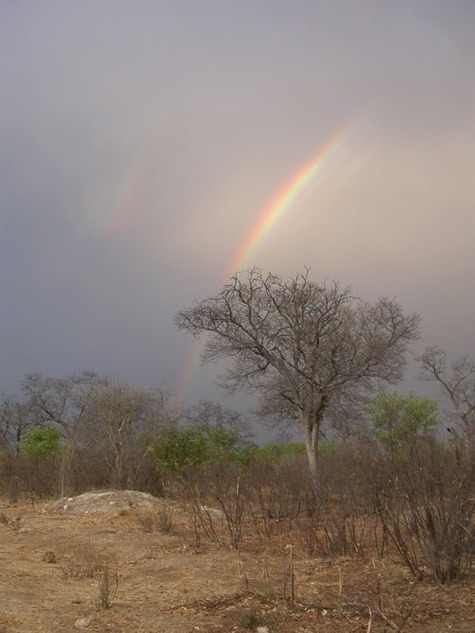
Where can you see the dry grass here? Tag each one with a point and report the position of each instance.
(107, 587)
(155, 521)
(83, 559)
(165, 586)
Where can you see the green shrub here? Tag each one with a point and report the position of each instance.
(399, 419)
(275, 453)
(41, 442)
(176, 450)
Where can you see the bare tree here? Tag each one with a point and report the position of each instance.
(457, 382)
(303, 347)
(15, 417)
(121, 422)
(216, 415)
(62, 402)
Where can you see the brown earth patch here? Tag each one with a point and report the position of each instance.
(168, 585)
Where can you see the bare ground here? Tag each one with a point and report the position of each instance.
(169, 585)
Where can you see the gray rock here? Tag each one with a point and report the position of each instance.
(105, 501)
(83, 623)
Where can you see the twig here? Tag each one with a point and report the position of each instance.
(266, 577)
(389, 622)
(290, 575)
(370, 621)
(242, 574)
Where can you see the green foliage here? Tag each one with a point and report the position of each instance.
(399, 419)
(275, 453)
(41, 442)
(176, 450)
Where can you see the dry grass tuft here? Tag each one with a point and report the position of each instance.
(83, 560)
(107, 586)
(250, 619)
(151, 521)
(165, 522)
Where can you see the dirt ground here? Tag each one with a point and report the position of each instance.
(51, 562)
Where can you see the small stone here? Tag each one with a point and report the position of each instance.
(262, 629)
(49, 557)
(83, 623)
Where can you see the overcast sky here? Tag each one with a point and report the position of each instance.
(139, 141)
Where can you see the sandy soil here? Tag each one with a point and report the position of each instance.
(167, 585)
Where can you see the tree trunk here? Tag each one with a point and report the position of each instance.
(67, 456)
(12, 480)
(118, 474)
(311, 446)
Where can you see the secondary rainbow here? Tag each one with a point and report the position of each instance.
(281, 202)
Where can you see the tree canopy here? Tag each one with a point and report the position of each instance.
(308, 349)
(41, 442)
(399, 419)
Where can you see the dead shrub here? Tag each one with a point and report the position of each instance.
(164, 522)
(426, 503)
(250, 619)
(277, 495)
(146, 520)
(206, 521)
(307, 529)
(83, 560)
(224, 486)
(152, 521)
(340, 521)
(325, 534)
(107, 586)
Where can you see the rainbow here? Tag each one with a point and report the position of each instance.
(276, 208)
(281, 202)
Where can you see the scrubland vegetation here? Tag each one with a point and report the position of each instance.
(367, 524)
(389, 539)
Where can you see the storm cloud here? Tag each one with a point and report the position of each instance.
(140, 140)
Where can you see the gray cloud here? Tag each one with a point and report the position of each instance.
(139, 141)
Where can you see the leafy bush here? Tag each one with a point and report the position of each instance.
(271, 453)
(274, 453)
(41, 442)
(177, 450)
(399, 419)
